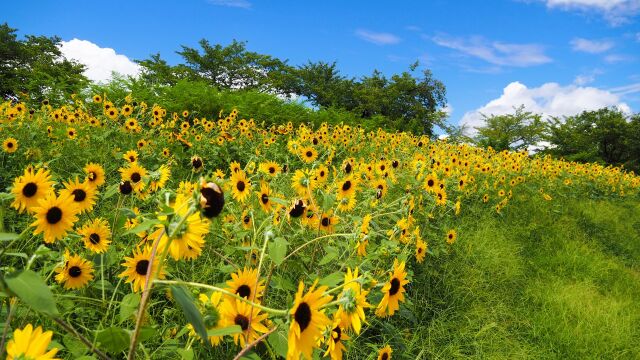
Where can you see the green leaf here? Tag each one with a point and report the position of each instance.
(331, 254)
(8, 236)
(332, 279)
(143, 226)
(74, 346)
(129, 306)
(113, 339)
(185, 354)
(190, 311)
(111, 190)
(32, 290)
(278, 341)
(278, 250)
(234, 329)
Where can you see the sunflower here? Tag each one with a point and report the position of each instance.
(381, 187)
(72, 133)
(303, 182)
(30, 343)
(451, 236)
(244, 283)
(327, 221)
(351, 314)
(270, 168)
(95, 174)
(96, 235)
(308, 321)
(297, 209)
(97, 98)
(248, 317)
(31, 187)
(197, 164)
(134, 174)
(211, 314)
(240, 186)
(263, 197)
(211, 199)
(309, 154)
(137, 267)
(82, 193)
(385, 353)
(159, 178)
(431, 183)
(421, 250)
(75, 273)
(347, 187)
(131, 156)
(335, 346)
(188, 240)
(10, 145)
(441, 197)
(393, 291)
(54, 217)
(322, 174)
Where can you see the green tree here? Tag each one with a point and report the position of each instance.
(35, 69)
(515, 131)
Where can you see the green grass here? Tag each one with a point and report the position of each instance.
(553, 279)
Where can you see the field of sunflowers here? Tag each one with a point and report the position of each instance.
(128, 231)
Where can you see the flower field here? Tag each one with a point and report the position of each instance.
(137, 232)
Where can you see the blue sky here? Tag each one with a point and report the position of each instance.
(557, 57)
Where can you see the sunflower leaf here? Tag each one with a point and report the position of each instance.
(32, 290)
(229, 330)
(190, 311)
(278, 250)
(114, 339)
(8, 236)
(143, 226)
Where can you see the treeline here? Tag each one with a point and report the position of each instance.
(34, 68)
(608, 136)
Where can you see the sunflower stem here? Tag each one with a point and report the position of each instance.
(254, 343)
(314, 240)
(226, 292)
(80, 337)
(11, 311)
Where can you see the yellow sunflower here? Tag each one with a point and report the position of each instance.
(249, 318)
(197, 163)
(451, 236)
(54, 217)
(83, 194)
(95, 174)
(188, 240)
(385, 353)
(131, 156)
(134, 174)
(393, 291)
(309, 154)
(347, 187)
(75, 273)
(159, 178)
(137, 267)
(31, 187)
(264, 197)
(337, 336)
(421, 250)
(431, 183)
(96, 235)
(211, 314)
(270, 168)
(244, 283)
(303, 182)
(327, 221)
(10, 145)
(308, 321)
(240, 186)
(351, 314)
(30, 343)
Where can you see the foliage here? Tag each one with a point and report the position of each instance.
(516, 131)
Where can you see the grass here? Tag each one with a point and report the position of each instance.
(542, 280)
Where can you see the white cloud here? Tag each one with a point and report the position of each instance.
(626, 89)
(243, 4)
(377, 38)
(616, 12)
(100, 62)
(495, 52)
(617, 58)
(550, 99)
(591, 46)
(448, 109)
(584, 79)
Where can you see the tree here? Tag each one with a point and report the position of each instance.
(516, 131)
(35, 67)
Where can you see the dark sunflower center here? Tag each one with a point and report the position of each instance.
(9, 144)
(346, 185)
(196, 163)
(303, 316)
(54, 215)
(419, 250)
(337, 333)
(93, 176)
(94, 238)
(241, 321)
(384, 356)
(272, 170)
(240, 185)
(264, 198)
(75, 271)
(297, 209)
(247, 219)
(395, 286)
(347, 168)
(395, 163)
(322, 173)
(142, 266)
(30, 189)
(430, 183)
(126, 188)
(135, 177)
(244, 291)
(325, 221)
(79, 195)
(309, 154)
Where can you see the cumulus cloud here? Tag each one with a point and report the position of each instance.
(616, 12)
(591, 46)
(100, 62)
(617, 58)
(550, 99)
(377, 38)
(495, 52)
(243, 4)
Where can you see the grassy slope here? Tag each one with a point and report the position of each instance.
(556, 279)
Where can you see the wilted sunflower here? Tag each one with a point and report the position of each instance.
(82, 193)
(137, 267)
(244, 283)
(240, 186)
(248, 317)
(30, 343)
(10, 145)
(54, 217)
(308, 321)
(135, 174)
(297, 209)
(31, 187)
(95, 174)
(75, 273)
(393, 291)
(385, 353)
(96, 235)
